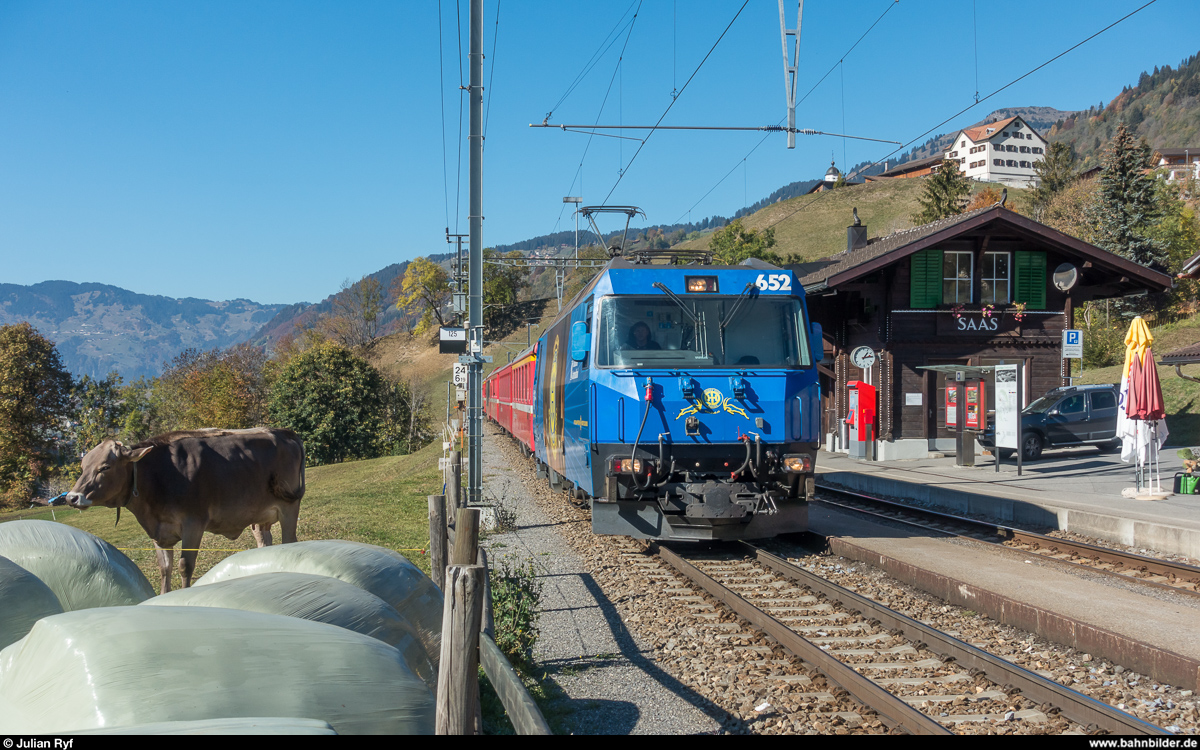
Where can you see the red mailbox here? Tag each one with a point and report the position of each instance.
(862, 407)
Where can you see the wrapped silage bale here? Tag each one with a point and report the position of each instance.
(130, 666)
(24, 600)
(317, 598)
(253, 725)
(81, 569)
(383, 572)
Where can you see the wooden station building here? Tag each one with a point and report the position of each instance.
(976, 289)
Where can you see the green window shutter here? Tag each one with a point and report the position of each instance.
(925, 279)
(1030, 286)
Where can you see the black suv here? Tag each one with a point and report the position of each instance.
(1077, 415)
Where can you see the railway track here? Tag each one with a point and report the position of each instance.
(918, 679)
(1150, 571)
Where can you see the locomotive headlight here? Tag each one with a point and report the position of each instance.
(628, 466)
(800, 463)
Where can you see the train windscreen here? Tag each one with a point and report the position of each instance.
(755, 331)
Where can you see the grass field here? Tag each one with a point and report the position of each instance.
(814, 226)
(380, 501)
(1182, 397)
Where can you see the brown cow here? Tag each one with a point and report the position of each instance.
(181, 484)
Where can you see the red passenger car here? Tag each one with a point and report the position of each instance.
(508, 396)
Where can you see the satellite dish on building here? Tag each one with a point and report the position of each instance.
(1066, 276)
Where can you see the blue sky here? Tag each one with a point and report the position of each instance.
(269, 150)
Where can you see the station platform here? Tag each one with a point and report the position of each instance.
(1153, 635)
(1072, 489)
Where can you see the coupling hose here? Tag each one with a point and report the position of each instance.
(633, 456)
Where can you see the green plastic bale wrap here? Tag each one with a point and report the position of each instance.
(130, 666)
(385, 573)
(316, 598)
(256, 725)
(24, 600)
(82, 570)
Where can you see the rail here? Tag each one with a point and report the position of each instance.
(1074, 705)
(1180, 575)
(894, 710)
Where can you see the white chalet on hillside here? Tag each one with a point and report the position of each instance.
(1003, 151)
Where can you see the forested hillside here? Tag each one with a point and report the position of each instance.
(1163, 108)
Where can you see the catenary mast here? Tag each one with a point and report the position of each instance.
(475, 307)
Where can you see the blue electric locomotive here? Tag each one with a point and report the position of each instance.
(683, 400)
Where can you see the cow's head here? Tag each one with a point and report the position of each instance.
(107, 478)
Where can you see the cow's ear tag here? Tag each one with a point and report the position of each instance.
(139, 454)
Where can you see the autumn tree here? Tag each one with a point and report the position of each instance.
(424, 289)
(1071, 209)
(1127, 208)
(989, 196)
(99, 410)
(357, 314)
(407, 425)
(578, 278)
(502, 285)
(35, 406)
(1178, 232)
(219, 388)
(142, 409)
(334, 400)
(945, 194)
(734, 243)
(1055, 173)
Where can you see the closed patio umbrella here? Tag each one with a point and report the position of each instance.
(1141, 422)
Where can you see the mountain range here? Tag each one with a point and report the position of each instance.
(98, 328)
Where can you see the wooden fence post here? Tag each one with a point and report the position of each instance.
(458, 670)
(488, 623)
(437, 540)
(466, 537)
(454, 483)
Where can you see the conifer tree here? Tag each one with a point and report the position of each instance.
(1055, 172)
(945, 194)
(1126, 209)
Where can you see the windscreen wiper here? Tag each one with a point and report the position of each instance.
(697, 320)
(737, 306)
(675, 298)
(733, 311)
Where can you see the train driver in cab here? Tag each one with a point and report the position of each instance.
(640, 338)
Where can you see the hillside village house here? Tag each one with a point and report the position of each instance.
(1003, 151)
(1178, 163)
(975, 289)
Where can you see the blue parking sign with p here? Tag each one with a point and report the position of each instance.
(1072, 344)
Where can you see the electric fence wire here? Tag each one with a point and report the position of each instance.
(845, 54)
(633, 158)
(607, 91)
(975, 103)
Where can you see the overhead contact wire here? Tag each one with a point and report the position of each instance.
(686, 83)
(607, 92)
(798, 103)
(974, 104)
